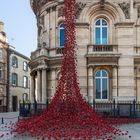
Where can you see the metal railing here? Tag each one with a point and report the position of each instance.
(118, 109)
(107, 109)
(103, 48)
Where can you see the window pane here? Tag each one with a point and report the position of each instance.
(98, 73)
(14, 61)
(104, 35)
(104, 22)
(62, 37)
(25, 82)
(104, 88)
(98, 22)
(25, 66)
(104, 73)
(98, 89)
(98, 41)
(14, 79)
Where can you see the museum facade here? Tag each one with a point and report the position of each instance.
(107, 46)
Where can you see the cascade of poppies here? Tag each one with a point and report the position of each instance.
(68, 115)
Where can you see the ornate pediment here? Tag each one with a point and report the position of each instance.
(125, 8)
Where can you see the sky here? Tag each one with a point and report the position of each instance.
(20, 25)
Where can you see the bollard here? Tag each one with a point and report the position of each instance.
(134, 109)
(94, 103)
(114, 109)
(2, 120)
(18, 118)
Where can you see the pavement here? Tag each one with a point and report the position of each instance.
(12, 117)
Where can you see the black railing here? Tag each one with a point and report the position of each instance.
(118, 109)
(31, 109)
(107, 109)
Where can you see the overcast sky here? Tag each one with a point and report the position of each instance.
(20, 25)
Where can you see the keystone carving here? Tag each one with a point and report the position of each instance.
(126, 9)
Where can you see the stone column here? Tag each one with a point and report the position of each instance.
(39, 86)
(32, 93)
(44, 86)
(90, 85)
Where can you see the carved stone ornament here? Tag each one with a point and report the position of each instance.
(61, 11)
(126, 9)
(37, 4)
(79, 7)
(40, 24)
(139, 12)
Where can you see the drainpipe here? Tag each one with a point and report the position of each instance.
(8, 79)
(87, 75)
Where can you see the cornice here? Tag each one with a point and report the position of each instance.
(124, 24)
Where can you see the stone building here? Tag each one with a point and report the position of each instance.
(3, 68)
(108, 49)
(19, 78)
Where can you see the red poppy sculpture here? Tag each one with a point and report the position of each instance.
(68, 115)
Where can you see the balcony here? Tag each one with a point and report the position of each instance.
(102, 48)
(102, 54)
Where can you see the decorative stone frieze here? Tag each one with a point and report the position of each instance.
(60, 11)
(79, 7)
(126, 9)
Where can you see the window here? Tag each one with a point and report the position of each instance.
(61, 35)
(1, 73)
(14, 61)
(1, 53)
(14, 79)
(25, 66)
(101, 31)
(101, 84)
(25, 81)
(25, 97)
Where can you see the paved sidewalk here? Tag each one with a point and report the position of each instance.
(11, 117)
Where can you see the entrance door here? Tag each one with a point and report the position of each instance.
(14, 103)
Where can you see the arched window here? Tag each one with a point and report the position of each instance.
(101, 84)
(61, 35)
(25, 66)
(14, 61)
(101, 31)
(14, 79)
